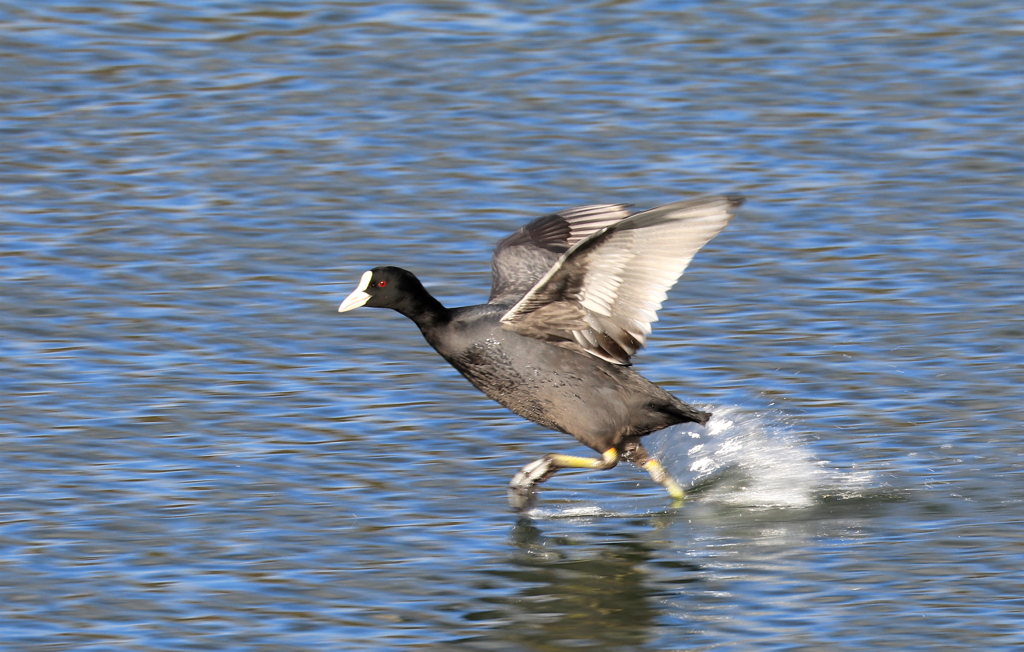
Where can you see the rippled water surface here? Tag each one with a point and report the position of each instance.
(199, 453)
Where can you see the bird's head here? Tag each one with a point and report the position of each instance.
(383, 287)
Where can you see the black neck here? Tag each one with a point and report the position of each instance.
(426, 311)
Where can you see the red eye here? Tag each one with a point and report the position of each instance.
(381, 284)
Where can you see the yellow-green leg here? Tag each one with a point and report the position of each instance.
(659, 475)
(522, 491)
(637, 454)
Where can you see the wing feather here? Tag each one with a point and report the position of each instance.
(522, 258)
(607, 288)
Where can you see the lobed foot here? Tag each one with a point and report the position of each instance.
(522, 499)
(522, 490)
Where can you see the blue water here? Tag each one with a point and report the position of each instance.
(199, 453)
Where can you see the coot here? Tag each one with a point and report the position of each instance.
(573, 295)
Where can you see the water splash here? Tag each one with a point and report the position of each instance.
(751, 460)
(584, 512)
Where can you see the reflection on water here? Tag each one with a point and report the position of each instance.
(198, 452)
(571, 594)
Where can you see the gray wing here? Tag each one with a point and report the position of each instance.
(523, 258)
(605, 291)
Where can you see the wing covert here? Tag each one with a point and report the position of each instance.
(522, 258)
(604, 292)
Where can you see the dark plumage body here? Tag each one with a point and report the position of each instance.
(597, 402)
(573, 295)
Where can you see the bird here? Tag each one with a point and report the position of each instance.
(573, 296)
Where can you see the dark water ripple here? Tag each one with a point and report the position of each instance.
(200, 453)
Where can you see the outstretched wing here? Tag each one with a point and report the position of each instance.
(523, 258)
(605, 291)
